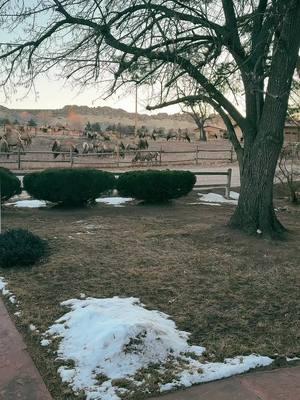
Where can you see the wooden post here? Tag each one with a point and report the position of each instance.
(71, 158)
(197, 154)
(19, 158)
(118, 155)
(227, 189)
(160, 151)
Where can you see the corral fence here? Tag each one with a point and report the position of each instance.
(36, 160)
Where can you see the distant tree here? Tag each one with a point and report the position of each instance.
(96, 127)
(4, 121)
(200, 113)
(88, 127)
(32, 123)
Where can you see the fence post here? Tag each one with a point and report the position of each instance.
(227, 189)
(197, 154)
(71, 158)
(160, 151)
(118, 156)
(19, 158)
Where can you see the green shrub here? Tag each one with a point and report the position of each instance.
(71, 187)
(156, 186)
(19, 247)
(10, 184)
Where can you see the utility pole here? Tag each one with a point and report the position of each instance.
(136, 118)
(0, 209)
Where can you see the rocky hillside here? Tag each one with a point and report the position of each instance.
(78, 116)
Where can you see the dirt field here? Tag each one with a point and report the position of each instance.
(235, 294)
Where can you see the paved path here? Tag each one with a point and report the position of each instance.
(19, 378)
(280, 384)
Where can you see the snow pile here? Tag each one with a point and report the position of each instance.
(218, 198)
(3, 289)
(114, 201)
(6, 292)
(115, 338)
(29, 203)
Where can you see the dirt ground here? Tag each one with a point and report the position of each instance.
(236, 295)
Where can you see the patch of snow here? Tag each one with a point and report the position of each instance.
(216, 198)
(3, 289)
(215, 371)
(114, 201)
(45, 342)
(32, 327)
(234, 195)
(2, 284)
(18, 313)
(29, 203)
(117, 337)
(288, 359)
(209, 204)
(12, 299)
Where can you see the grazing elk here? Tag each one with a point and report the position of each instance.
(13, 139)
(88, 148)
(91, 135)
(172, 134)
(183, 135)
(149, 158)
(25, 137)
(4, 146)
(63, 148)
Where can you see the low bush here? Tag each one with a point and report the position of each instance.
(10, 185)
(71, 187)
(19, 247)
(156, 186)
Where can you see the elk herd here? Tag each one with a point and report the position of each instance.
(101, 144)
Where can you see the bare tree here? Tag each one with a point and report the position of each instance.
(256, 39)
(200, 113)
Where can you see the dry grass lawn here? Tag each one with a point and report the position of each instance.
(235, 294)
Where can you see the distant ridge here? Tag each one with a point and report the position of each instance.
(78, 116)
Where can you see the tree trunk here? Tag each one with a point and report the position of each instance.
(255, 211)
(202, 137)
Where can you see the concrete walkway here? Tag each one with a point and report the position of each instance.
(19, 378)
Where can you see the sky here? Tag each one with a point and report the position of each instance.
(55, 94)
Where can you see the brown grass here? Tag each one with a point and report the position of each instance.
(235, 294)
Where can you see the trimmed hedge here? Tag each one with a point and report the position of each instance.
(71, 187)
(10, 184)
(156, 186)
(19, 247)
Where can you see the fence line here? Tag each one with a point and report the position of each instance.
(113, 158)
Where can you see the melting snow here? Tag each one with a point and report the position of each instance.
(115, 338)
(29, 203)
(3, 289)
(114, 201)
(218, 198)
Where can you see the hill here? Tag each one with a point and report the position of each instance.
(78, 116)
